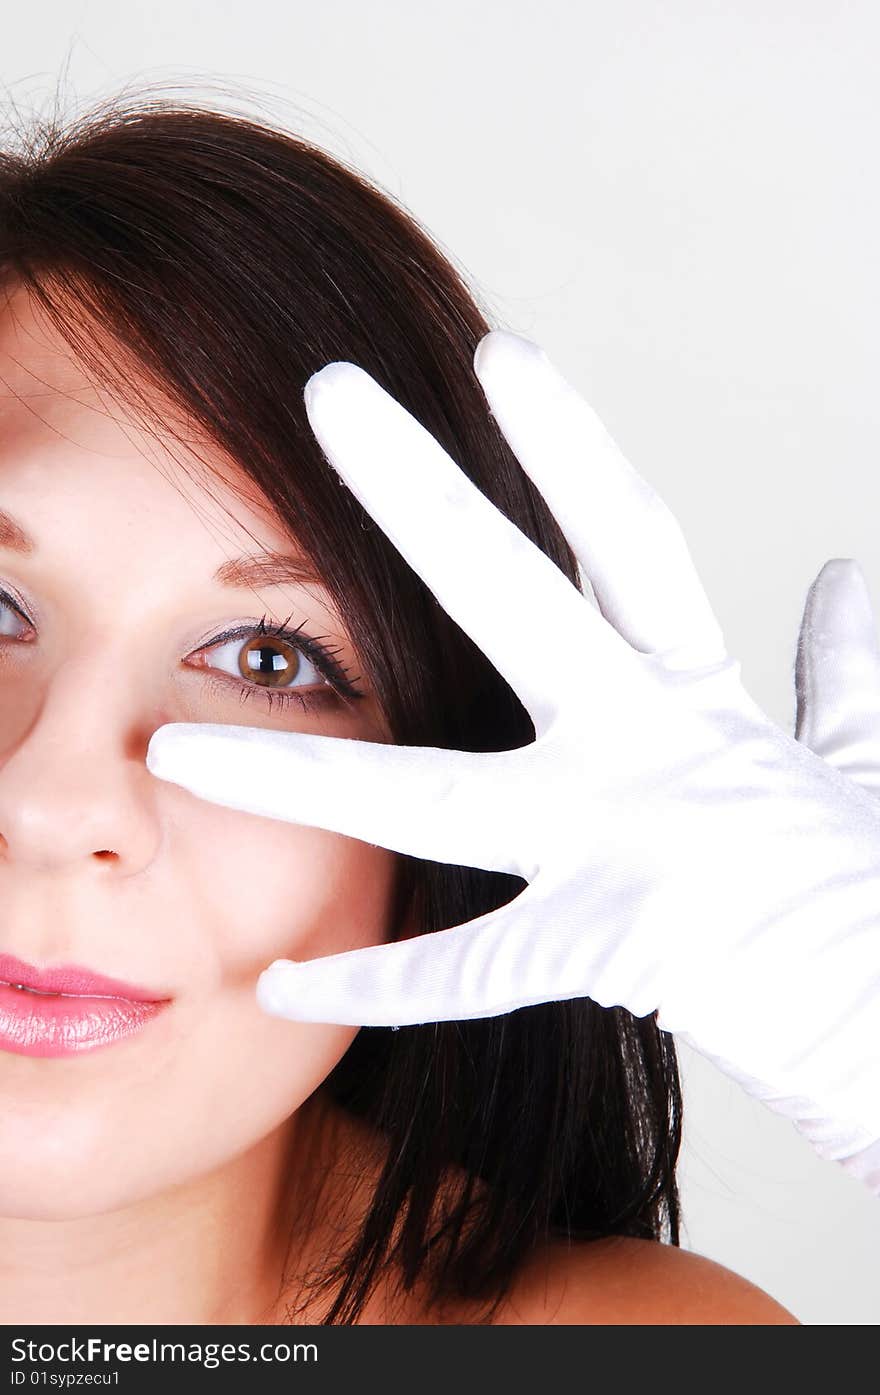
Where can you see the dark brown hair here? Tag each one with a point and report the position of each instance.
(233, 260)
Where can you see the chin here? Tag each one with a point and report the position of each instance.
(57, 1176)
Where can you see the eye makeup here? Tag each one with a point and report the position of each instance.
(338, 682)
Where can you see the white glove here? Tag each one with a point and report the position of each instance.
(683, 853)
(837, 683)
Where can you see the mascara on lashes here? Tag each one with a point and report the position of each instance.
(338, 680)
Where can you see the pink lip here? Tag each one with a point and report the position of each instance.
(71, 1011)
(72, 980)
(31, 1025)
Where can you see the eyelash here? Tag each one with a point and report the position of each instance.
(321, 656)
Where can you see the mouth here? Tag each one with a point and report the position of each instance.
(71, 981)
(41, 993)
(34, 1022)
(67, 1010)
(51, 993)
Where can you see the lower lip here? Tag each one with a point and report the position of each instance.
(36, 1024)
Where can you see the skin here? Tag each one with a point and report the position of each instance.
(170, 1152)
(623, 1281)
(202, 1149)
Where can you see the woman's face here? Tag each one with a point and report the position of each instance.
(104, 866)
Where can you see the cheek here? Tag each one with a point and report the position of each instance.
(217, 1075)
(264, 889)
(267, 890)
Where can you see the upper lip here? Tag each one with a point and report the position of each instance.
(73, 980)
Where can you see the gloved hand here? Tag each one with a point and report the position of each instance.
(683, 853)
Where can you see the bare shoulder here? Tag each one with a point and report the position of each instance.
(624, 1280)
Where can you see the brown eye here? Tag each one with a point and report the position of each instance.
(271, 662)
(285, 664)
(263, 661)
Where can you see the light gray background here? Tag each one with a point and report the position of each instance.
(679, 203)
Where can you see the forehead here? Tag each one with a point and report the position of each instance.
(68, 446)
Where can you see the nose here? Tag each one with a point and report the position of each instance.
(74, 785)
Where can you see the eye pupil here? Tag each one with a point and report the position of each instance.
(259, 657)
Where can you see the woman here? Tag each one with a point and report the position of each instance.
(173, 276)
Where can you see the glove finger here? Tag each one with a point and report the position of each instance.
(428, 802)
(837, 671)
(498, 586)
(484, 967)
(625, 537)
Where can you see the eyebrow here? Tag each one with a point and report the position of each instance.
(266, 569)
(263, 569)
(13, 536)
